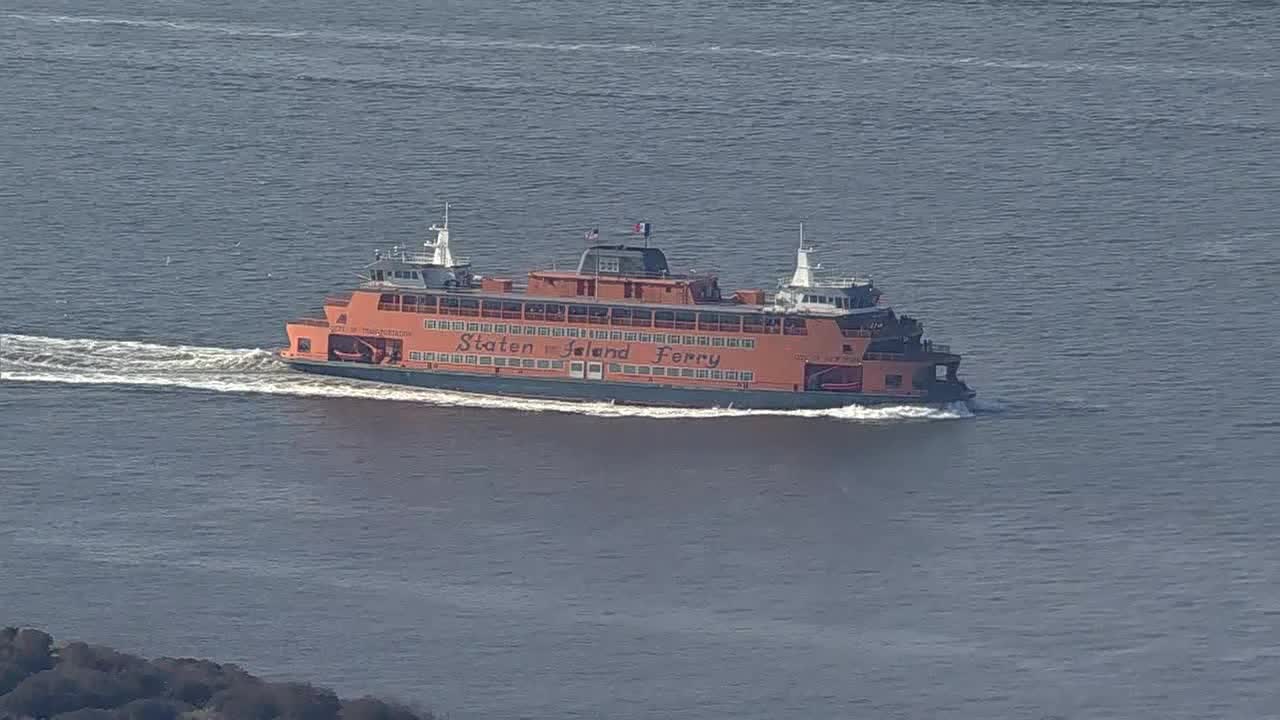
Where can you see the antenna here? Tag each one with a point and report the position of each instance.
(446, 214)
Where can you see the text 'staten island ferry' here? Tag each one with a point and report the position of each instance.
(624, 328)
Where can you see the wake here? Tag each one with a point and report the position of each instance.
(847, 55)
(85, 361)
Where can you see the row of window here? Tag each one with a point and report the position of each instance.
(616, 368)
(495, 361)
(573, 332)
(840, 302)
(699, 373)
(759, 323)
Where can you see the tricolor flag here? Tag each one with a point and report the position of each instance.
(643, 227)
(592, 235)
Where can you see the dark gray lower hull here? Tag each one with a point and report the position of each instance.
(625, 393)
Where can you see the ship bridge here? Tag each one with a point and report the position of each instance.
(806, 292)
(433, 267)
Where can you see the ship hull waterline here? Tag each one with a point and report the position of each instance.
(574, 390)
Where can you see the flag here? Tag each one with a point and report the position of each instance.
(592, 235)
(643, 227)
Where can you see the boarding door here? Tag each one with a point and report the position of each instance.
(595, 371)
(577, 369)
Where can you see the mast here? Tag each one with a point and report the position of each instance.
(803, 276)
(442, 256)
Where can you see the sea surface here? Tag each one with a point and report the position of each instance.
(1081, 197)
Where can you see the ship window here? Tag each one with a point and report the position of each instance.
(607, 264)
(620, 316)
(427, 304)
(428, 356)
(544, 364)
(544, 331)
(893, 381)
(458, 325)
(641, 318)
(730, 374)
(794, 326)
(578, 314)
(511, 309)
(469, 307)
(500, 328)
(615, 335)
(615, 368)
(748, 376)
(557, 364)
(659, 337)
(458, 359)
(717, 375)
(486, 327)
(629, 369)
(630, 337)
(486, 360)
(535, 311)
(664, 318)
(686, 372)
(847, 348)
(304, 344)
(753, 323)
(673, 372)
(731, 342)
(377, 275)
(557, 332)
(704, 340)
(646, 337)
(576, 366)
(598, 315)
(808, 298)
(528, 363)
(473, 327)
(517, 329)
(449, 306)
(749, 343)
(409, 303)
(686, 319)
(555, 312)
(773, 325)
(500, 361)
(688, 340)
(704, 374)
(388, 299)
(717, 341)
(472, 359)
(491, 309)
(530, 330)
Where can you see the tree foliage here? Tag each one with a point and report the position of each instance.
(77, 681)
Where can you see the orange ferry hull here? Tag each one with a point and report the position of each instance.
(624, 328)
(621, 393)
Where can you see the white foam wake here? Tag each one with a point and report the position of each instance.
(85, 361)
(847, 55)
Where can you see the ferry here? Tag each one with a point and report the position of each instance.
(623, 327)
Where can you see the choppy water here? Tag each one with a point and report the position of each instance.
(1079, 196)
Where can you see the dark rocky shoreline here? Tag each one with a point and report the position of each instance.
(76, 681)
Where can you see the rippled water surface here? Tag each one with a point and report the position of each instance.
(1078, 196)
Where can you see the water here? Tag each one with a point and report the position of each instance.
(1079, 196)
